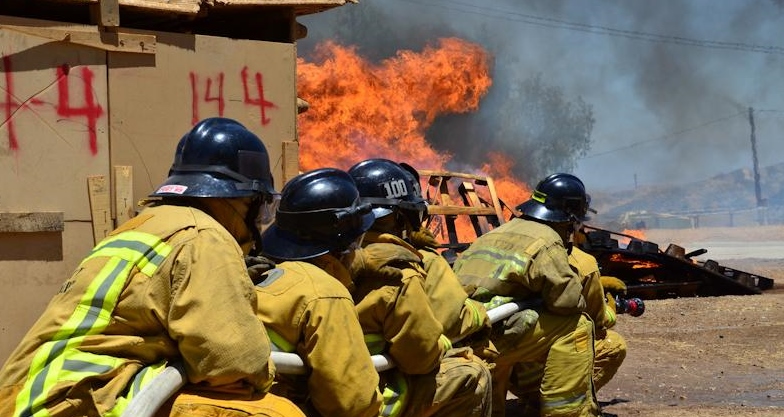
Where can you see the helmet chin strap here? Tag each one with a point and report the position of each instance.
(250, 222)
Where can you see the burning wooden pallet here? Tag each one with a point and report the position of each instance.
(465, 206)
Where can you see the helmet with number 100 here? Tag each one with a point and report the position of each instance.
(219, 158)
(390, 188)
(558, 198)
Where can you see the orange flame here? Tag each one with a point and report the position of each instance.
(510, 190)
(635, 263)
(361, 110)
(636, 233)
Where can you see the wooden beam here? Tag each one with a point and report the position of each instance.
(459, 210)
(118, 41)
(450, 174)
(290, 161)
(100, 207)
(123, 194)
(29, 222)
(107, 13)
(499, 211)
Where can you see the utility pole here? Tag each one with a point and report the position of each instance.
(757, 189)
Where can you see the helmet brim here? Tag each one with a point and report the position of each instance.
(200, 184)
(537, 210)
(281, 244)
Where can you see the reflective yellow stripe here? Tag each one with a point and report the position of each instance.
(539, 196)
(611, 317)
(395, 395)
(59, 358)
(563, 406)
(477, 317)
(375, 343)
(445, 342)
(279, 344)
(141, 379)
(497, 301)
(145, 250)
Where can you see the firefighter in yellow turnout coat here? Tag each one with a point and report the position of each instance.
(598, 290)
(526, 259)
(456, 385)
(168, 285)
(609, 346)
(305, 303)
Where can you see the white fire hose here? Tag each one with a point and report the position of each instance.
(164, 385)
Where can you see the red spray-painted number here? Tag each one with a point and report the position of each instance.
(91, 110)
(209, 95)
(10, 105)
(260, 100)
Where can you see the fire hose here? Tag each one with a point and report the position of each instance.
(164, 385)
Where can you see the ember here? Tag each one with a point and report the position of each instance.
(636, 263)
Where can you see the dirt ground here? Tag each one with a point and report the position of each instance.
(711, 356)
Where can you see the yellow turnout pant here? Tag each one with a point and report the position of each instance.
(564, 348)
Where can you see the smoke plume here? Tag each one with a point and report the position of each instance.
(669, 85)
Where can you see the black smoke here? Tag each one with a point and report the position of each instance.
(669, 85)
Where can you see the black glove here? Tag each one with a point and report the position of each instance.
(257, 266)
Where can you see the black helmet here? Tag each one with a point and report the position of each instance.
(319, 212)
(558, 198)
(218, 157)
(390, 187)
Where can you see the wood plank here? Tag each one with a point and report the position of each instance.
(28, 222)
(124, 206)
(290, 161)
(118, 41)
(499, 211)
(109, 13)
(470, 198)
(459, 210)
(100, 207)
(450, 174)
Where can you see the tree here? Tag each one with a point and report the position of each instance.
(542, 129)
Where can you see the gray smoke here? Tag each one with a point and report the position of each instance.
(670, 83)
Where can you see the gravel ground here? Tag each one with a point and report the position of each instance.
(710, 356)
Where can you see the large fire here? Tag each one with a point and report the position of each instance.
(361, 110)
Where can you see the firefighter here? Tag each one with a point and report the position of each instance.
(610, 347)
(304, 302)
(599, 292)
(167, 285)
(526, 260)
(462, 381)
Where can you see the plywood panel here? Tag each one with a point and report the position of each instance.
(53, 135)
(54, 124)
(155, 101)
(26, 287)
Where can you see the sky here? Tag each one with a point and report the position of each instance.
(670, 82)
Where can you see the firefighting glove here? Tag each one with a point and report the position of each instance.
(257, 266)
(515, 329)
(423, 238)
(381, 260)
(613, 285)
